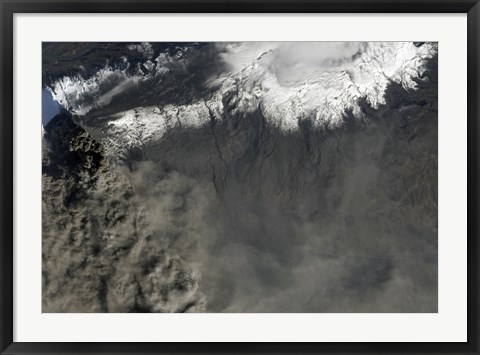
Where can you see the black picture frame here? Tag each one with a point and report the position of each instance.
(9, 7)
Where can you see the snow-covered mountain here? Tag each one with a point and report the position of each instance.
(321, 82)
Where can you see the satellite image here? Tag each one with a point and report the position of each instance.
(242, 177)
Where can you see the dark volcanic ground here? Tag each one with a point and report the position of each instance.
(238, 216)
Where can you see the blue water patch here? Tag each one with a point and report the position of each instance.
(50, 107)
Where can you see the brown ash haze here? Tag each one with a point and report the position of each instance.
(240, 177)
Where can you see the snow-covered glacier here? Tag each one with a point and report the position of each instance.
(320, 81)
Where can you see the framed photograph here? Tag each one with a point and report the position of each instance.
(239, 177)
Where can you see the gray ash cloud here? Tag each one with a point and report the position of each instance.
(239, 215)
(99, 252)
